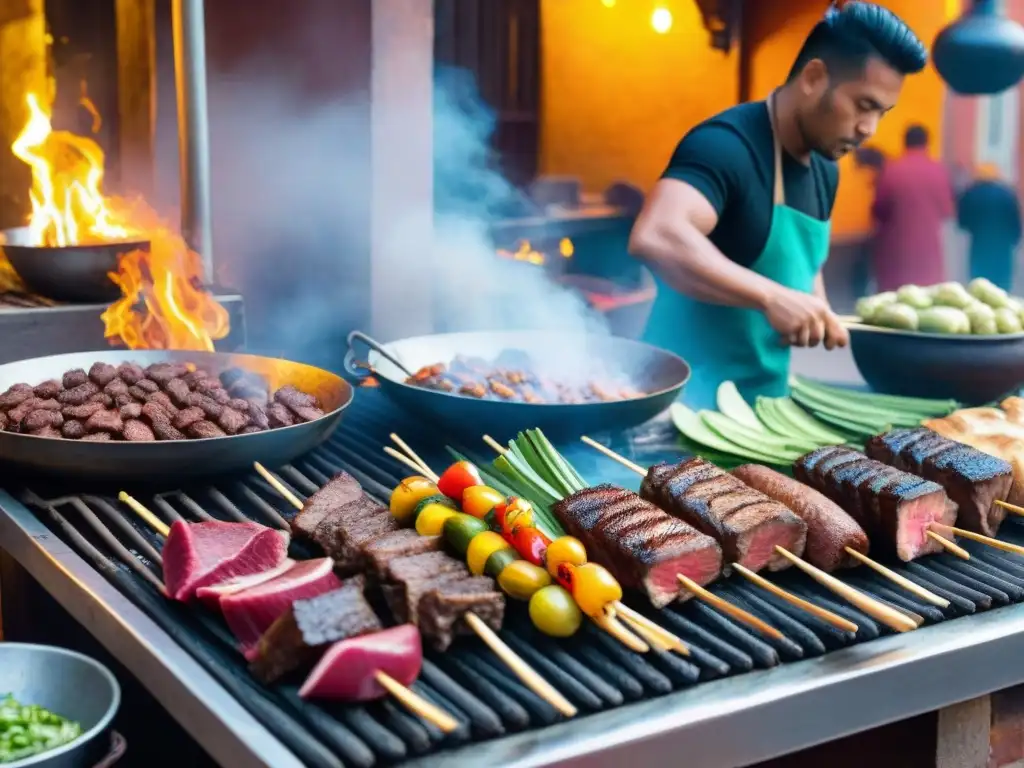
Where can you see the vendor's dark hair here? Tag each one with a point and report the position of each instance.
(846, 38)
(915, 137)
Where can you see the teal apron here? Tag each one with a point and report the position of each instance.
(732, 344)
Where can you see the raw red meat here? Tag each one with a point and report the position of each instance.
(250, 613)
(347, 672)
(202, 554)
(211, 595)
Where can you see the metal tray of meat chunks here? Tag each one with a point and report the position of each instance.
(108, 451)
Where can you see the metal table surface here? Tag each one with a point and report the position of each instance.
(774, 712)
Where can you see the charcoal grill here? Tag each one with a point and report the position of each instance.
(737, 700)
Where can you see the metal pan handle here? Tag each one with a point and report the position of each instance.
(118, 746)
(360, 369)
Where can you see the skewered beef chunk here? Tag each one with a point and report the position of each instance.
(186, 418)
(179, 391)
(163, 400)
(209, 406)
(103, 399)
(747, 523)
(641, 545)
(46, 431)
(137, 431)
(48, 390)
(296, 638)
(160, 421)
(231, 421)
(79, 394)
(97, 437)
(105, 421)
(343, 530)
(443, 610)
(410, 579)
(130, 411)
(74, 378)
(83, 411)
(203, 429)
(38, 419)
(894, 507)
(162, 373)
(378, 552)
(293, 398)
(73, 429)
(15, 396)
(973, 480)
(102, 373)
(115, 387)
(130, 373)
(336, 493)
(829, 529)
(279, 416)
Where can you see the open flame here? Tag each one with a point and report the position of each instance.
(164, 304)
(526, 252)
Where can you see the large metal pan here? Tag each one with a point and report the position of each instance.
(655, 371)
(170, 459)
(69, 684)
(971, 369)
(74, 273)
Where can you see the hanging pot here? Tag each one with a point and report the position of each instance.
(982, 53)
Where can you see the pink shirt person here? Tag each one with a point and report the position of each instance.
(913, 197)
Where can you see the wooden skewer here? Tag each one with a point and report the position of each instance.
(1013, 508)
(916, 589)
(649, 629)
(411, 453)
(403, 459)
(609, 622)
(825, 615)
(416, 703)
(278, 486)
(495, 445)
(949, 546)
(412, 701)
(995, 543)
(729, 609)
(874, 608)
(530, 678)
(615, 456)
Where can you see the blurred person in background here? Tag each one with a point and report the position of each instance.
(913, 197)
(989, 212)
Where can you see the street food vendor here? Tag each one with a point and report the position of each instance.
(737, 228)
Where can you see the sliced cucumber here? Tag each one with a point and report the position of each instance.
(790, 413)
(859, 413)
(698, 433)
(901, 403)
(765, 409)
(747, 439)
(731, 403)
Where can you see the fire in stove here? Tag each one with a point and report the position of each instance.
(163, 304)
(526, 252)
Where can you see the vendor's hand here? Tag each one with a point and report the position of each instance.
(836, 334)
(801, 319)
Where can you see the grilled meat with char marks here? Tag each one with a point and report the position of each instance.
(642, 546)
(973, 480)
(747, 523)
(894, 507)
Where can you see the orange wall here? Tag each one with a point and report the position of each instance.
(617, 96)
(922, 100)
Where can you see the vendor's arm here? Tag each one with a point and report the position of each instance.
(671, 237)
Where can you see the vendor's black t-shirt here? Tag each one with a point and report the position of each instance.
(730, 160)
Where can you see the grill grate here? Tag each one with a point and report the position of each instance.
(21, 300)
(592, 670)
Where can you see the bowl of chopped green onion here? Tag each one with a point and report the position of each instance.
(56, 707)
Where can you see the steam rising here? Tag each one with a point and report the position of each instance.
(291, 175)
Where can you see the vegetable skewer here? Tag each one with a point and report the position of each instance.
(523, 671)
(489, 546)
(564, 553)
(408, 698)
(892, 618)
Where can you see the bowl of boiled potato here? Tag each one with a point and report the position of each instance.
(964, 342)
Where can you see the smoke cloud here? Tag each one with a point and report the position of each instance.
(291, 177)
